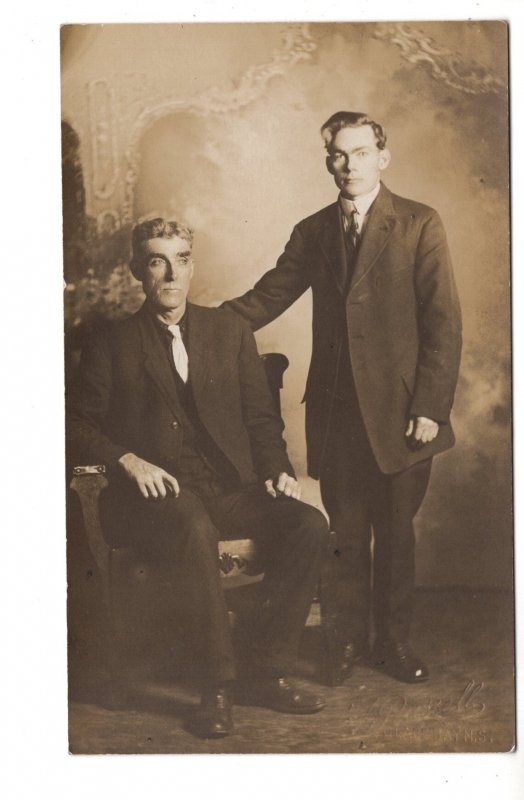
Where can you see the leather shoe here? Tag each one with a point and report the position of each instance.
(397, 660)
(280, 694)
(214, 719)
(351, 653)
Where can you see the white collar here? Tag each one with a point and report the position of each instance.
(362, 203)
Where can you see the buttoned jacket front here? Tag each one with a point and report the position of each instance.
(400, 315)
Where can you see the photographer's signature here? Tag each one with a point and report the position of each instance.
(442, 719)
(394, 708)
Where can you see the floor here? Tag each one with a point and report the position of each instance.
(465, 636)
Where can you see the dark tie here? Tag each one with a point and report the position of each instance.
(352, 242)
(352, 231)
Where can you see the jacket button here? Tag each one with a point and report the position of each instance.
(175, 424)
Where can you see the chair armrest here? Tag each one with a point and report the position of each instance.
(88, 482)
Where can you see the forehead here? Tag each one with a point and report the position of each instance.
(166, 247)
(353, 138)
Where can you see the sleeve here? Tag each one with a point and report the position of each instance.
(88, 408)
(278, 288)
(264, 425)
(439, 323)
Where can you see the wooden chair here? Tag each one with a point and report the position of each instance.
(237, 558)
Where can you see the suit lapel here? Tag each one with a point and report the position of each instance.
(155, 362)
(331, 240)
(376, 234)
(199, 349)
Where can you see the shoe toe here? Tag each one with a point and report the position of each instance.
(398, 661)
(290, 699)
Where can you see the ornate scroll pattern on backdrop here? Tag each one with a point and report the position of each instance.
(445, 65)
(101, 104)
(126, 102)
(298, 45)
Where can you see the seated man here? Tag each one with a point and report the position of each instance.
(174, 401)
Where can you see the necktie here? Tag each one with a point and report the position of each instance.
(179, 352)
(353, 232)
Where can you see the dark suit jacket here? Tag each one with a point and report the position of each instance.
(125, 399)
(401, 317)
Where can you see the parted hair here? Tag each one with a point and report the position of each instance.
(158, 228)
(350, 119)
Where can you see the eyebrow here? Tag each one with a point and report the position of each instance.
(354, 149)
(185, 254)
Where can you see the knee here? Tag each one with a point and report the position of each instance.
(313, 525)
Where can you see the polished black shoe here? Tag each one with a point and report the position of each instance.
(281, 695)
(397, 660)
(214, 719)
(350, 654)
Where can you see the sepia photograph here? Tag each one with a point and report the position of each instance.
(287, 338)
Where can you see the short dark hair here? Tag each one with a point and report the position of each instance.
(351, 119)
(157, 228)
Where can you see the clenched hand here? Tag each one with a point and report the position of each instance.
(422, 430)
(285, 484)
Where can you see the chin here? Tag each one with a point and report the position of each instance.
(161, 304)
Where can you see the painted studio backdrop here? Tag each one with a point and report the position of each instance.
(218, 126)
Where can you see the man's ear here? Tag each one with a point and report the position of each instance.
(384, 158)
(329, 165)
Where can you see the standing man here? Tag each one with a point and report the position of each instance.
(174, 400)
(386, 351)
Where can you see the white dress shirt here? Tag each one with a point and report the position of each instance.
(362, 204)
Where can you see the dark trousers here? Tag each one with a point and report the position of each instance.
(372, 515)
(184, 532)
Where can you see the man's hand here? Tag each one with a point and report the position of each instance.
(152, 481)
(285, 484)
(421, 430)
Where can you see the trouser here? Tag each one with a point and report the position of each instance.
(372, 515)
(185, 531)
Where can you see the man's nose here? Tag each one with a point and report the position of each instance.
(170, 271)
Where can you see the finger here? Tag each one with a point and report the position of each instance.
(282, 481)
(171, 484)
(289, 487)
(270, 489)
(151, 488)
(430, 435)
(297, 492)
(161, 488)
(409, 429)
(418, 431)
(142, 489)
